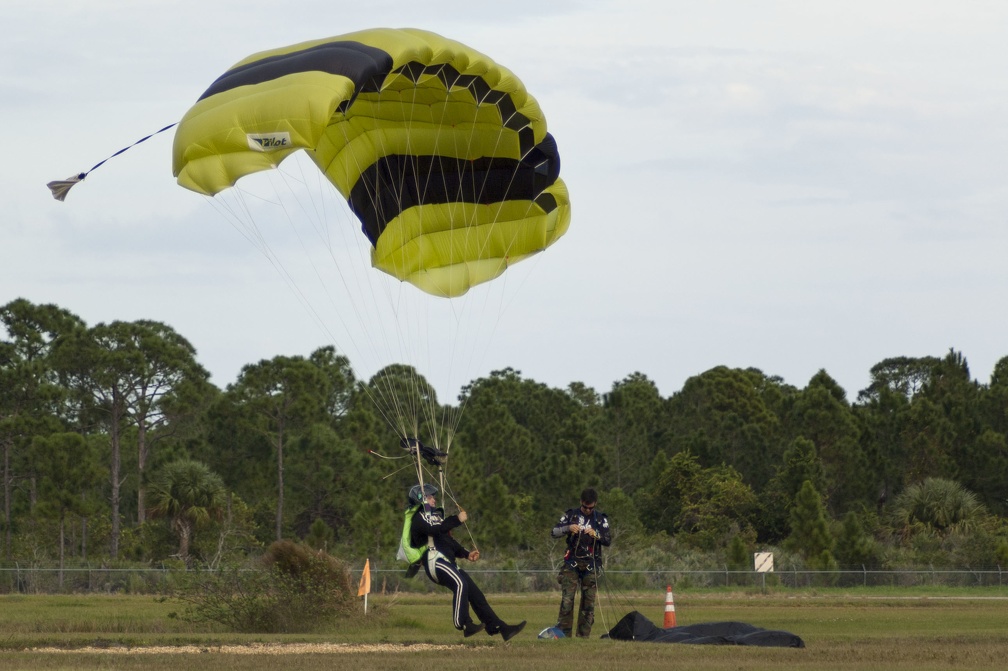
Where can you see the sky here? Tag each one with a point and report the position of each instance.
(790, 185)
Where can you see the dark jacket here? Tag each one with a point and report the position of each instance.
(582, 548)
(433, 523)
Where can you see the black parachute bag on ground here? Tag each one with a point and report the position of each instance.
(636, 627)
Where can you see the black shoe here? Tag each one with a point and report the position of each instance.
(509, 631)
(472, 628)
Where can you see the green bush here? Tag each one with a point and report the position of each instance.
(293, 589)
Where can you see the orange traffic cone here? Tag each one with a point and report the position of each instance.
(669, 609)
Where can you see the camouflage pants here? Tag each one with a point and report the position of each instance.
(570, 579)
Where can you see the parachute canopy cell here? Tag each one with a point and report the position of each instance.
(441, 153)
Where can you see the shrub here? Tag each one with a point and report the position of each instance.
(294, 589)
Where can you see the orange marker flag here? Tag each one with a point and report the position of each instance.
(365, 583)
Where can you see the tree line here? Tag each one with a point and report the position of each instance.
(116, 448)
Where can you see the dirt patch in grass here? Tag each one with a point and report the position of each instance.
(257, 648)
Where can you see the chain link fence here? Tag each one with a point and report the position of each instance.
(47, 580)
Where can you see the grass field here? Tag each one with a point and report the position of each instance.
(873, 629)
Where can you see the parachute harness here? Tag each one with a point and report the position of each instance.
(422, 455)
(437, 458)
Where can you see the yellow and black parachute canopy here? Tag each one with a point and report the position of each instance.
(441, 153)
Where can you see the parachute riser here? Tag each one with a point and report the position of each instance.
(434, 457)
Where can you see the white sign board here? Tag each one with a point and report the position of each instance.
(763, 562)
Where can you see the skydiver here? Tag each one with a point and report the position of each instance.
(430, 539)
(587, 530)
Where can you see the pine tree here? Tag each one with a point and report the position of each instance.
(810, 533)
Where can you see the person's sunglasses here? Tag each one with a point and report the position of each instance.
(588, 508)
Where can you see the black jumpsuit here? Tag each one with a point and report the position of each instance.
(465, 592)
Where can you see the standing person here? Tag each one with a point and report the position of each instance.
(587, 530)
(431, 541)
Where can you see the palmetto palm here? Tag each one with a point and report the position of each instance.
(190, 495)
(936, 506)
